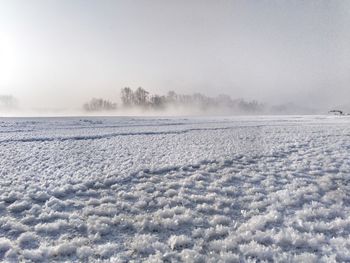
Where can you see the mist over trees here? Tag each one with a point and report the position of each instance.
(196, 102)
(96, 104)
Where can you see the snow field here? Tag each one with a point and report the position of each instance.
(176, 190)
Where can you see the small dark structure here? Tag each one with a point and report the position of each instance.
(337, 112)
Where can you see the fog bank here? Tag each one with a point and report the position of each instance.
(60, 54)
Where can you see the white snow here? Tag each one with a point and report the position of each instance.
(240, 189)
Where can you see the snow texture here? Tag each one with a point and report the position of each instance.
(240, 189)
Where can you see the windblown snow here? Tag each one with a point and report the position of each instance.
(240, 189)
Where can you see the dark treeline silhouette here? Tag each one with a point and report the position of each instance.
(142, 99)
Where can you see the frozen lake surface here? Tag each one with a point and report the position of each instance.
(240, 189)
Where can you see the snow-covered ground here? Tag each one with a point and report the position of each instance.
(175, 189)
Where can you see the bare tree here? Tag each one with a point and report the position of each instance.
(127, 96)
(141, 97)
(158, 102)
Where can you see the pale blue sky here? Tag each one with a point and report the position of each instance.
(60, 53)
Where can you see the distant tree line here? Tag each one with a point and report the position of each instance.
(96, 104)
(141, 98)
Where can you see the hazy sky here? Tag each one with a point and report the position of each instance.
(59, 53)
